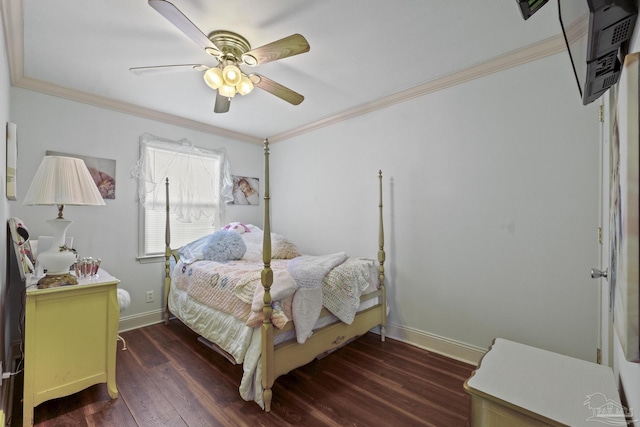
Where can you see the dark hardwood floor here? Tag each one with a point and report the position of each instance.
(167, 378)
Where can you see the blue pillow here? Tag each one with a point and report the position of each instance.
(224, 245)
(193, 251)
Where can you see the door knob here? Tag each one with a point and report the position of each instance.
(596, 274)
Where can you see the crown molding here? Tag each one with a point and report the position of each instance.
(13, 23)
(12, 14)
(548, 47)
(128, 108)
(14, 37)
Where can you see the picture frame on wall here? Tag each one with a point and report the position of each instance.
(12, 160)
(246, 190)
(103, 172)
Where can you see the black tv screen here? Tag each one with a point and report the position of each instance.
(529, 7)
(594, 31)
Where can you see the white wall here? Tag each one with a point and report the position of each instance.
(109, 232)
(4, 206)
(491, 193)
(491, 204)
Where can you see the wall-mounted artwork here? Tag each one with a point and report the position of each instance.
(623, 218)
(12, 160)
(103, 172)
(246, 190)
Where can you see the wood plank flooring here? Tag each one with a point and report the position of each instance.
(167, 378)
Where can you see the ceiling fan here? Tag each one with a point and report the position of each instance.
(231, 50)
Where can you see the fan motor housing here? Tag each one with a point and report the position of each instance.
(230, 43)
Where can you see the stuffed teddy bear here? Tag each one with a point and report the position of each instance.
(238, 227)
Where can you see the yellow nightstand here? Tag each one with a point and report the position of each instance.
(70, 340)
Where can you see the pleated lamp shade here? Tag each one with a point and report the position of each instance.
(63, 181)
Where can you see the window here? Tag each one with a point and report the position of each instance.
(199, 187)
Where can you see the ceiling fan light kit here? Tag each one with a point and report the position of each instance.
(245, 86)
(227, 91)
(231, 75)
(213, 78)
(231, 50)
(228, 81)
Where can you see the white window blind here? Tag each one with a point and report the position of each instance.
(199, 185)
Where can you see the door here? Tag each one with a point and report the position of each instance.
(606, 320)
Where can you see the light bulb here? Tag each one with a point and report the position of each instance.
(213, 78)
(245, 86)
(227, 91)
(232, 75)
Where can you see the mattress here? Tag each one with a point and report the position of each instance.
(236, 334)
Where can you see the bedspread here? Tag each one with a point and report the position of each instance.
(235, 288)
(212, 283)
(300, 288)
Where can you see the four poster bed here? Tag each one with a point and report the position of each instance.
(244, 307)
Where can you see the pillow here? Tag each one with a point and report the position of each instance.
(282, 248)
(253, 228)
(194, 251)
(238, 227)
(224, 245)
(253, 242)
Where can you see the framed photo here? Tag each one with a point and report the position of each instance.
(12, 160)
(102, 170)
(246, 190)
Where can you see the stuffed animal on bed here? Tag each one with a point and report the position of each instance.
(238, 227)
(224, 245)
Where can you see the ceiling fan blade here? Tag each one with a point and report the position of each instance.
(276, 89)
(222, 104)
(177, 18)
(283, 48)
(162, 69)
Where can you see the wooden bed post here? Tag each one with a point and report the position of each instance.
(167, 257)
(381, 259)
(290, 354)
(267, 280)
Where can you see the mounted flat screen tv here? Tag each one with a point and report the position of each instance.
(595, 31)
(529, 7)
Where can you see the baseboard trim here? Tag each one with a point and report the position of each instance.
(447, 347)
(141, 320)
(431, 342)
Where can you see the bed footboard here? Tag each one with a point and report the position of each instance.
(281, 359)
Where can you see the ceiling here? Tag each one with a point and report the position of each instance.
(365, 55)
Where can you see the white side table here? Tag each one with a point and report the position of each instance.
(516, 384)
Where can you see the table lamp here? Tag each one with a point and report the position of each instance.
(61, 181)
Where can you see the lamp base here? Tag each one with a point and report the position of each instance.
(54, 280)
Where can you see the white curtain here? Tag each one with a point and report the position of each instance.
(199, 179)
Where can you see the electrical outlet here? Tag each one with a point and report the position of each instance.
(149, 296)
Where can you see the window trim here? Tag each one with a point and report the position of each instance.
(145, 174)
